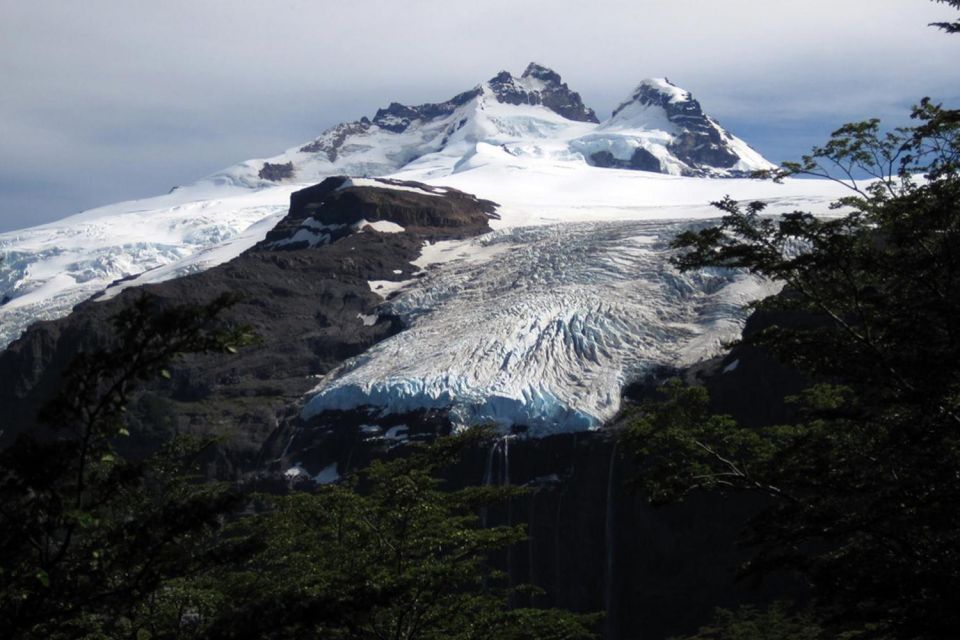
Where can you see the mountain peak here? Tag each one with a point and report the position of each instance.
(664, 87)
(695, 139)
(659, 92)
(660, 127)
(540, 85)
(540, 72)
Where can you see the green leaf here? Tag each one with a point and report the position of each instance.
(43, 578)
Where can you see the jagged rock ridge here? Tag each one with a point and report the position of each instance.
(659, 128)
(701, 142)
(540, 85)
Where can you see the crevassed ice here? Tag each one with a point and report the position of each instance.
(546, 330)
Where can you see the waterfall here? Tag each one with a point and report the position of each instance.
(504, 482)
(500, 448)
(488, 471)
(531, 541)
(610, 534)
(286, 449)
(488, 479)
(505, 467)
(497, 473)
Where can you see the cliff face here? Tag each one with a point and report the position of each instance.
(309, 300)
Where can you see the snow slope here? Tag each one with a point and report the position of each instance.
(46, 270)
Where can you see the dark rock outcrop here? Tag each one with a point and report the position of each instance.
(554, 93)
(276, 172)
(641, 160)
(701, 143)
(336, 206)
(305, 303)
(397, 117)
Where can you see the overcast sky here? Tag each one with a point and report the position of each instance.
(102, 101)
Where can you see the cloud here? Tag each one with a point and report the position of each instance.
(106, 100)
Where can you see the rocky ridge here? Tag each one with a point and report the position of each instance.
(312, 305)
(674, 135)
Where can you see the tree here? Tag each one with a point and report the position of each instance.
(864, 487)
(777, 622)
(96, 546)
(392, 555)
(87, 537)
(949, 27)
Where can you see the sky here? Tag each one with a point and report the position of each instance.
(110, 100)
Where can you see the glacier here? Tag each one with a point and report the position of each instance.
(544, 329)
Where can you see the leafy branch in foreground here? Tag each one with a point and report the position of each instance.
(864, 487)
(86, 536)
(777, 622)
(949, 27)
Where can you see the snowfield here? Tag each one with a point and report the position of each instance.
(46, 270)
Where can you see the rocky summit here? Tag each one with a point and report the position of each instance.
(536, 112)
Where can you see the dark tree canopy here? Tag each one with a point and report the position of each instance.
(864, 487)
(96, 546)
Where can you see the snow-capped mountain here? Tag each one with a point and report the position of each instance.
(540, 323)
(534, 120)
(659, 128)
(662, 128)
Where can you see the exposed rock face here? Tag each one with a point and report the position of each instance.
(312, 306)
(331, 140)
(276, 172)
(641, 160)
(540, 85)
(537, 85)
(397, 117)
(701, 143)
